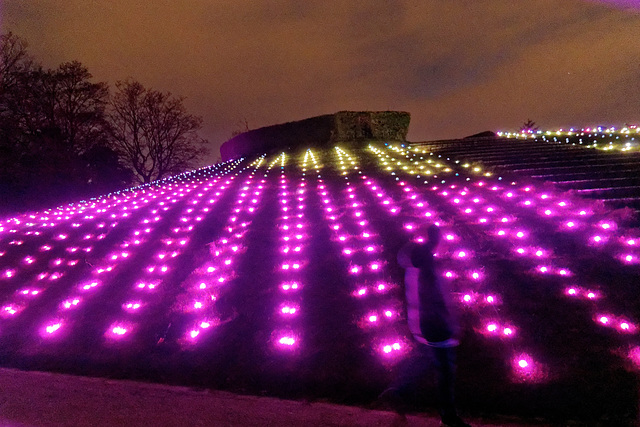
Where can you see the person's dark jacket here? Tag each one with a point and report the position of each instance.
(430, 310)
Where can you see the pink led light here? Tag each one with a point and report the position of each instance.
(287, 340)
(388, 348)
(50, 329)
(9, 309)
(288, 310)
(70, 303)
(119, 330)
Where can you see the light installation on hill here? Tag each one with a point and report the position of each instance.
(598, 137)
(73, 254)
(494, 209)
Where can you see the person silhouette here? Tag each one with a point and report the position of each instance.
(433, 323)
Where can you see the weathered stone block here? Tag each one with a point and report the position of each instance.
(346, 127)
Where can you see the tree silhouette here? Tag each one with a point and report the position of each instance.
(528, 127)
(152, 131)
(242, 126)
(52, 125)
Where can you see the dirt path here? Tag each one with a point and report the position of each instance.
(38, 399)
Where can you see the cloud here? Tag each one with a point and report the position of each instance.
(458, 66)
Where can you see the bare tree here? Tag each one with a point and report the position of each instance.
(152, 131)
(529, 127)
(53, 131)
(13, 59)
(242, 126)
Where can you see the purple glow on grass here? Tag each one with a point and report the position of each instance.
(634, 356)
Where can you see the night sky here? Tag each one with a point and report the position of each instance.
(458, 66)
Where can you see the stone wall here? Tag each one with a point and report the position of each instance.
(350, 127)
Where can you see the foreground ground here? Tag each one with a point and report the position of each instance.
(39, 399)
